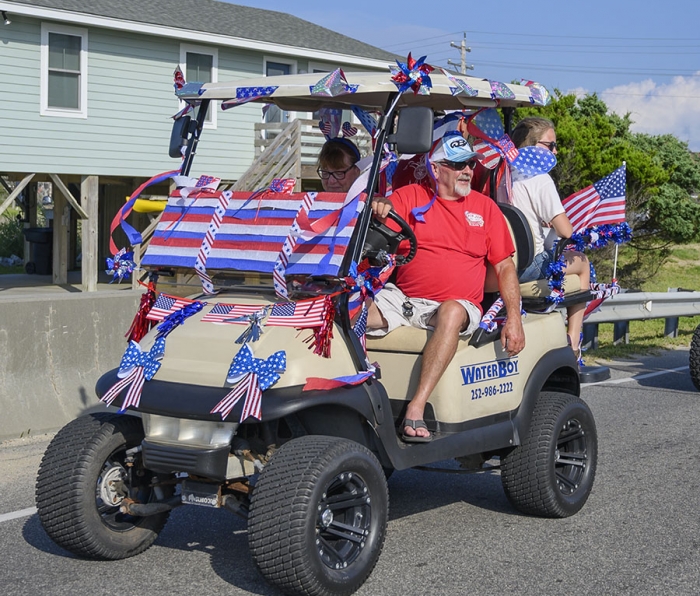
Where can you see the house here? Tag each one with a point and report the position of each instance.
(88, 99)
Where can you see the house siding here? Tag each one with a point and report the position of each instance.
(130, 102)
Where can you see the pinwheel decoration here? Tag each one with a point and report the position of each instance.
(333, 84)
(412, 74)
(121, 266)
(253, 375)
(538, 93)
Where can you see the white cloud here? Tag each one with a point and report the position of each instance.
(660, 109)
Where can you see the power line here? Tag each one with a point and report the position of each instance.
(607, 37)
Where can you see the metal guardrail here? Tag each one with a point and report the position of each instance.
(631, 306)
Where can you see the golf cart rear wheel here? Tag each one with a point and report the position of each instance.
(318, 516)
(551, 473)
(695, 358)
(84, 477)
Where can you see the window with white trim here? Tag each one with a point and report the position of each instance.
(200, 64)
(275, 67)
(63, 71)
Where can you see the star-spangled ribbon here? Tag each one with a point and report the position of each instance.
(135, 368)
(412, 74)
(253, 375)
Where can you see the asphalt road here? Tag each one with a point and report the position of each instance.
(639, 533)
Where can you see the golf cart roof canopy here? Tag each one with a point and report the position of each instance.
(368, 90)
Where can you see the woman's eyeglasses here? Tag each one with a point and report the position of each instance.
(552, 145)
(339, 175)
(458, 166)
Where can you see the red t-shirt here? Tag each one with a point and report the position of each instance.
(454, 243)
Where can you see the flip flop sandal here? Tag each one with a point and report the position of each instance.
(415, 425)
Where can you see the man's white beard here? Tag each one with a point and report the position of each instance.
(463, 188)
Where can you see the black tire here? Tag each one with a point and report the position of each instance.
(304, 536)
(695, 358)
(84, 459)
(551, 473)
(30, 267)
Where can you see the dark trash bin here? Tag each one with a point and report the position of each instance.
(41, 240)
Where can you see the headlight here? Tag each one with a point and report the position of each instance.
(198, 433)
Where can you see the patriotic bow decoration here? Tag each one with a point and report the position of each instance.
(333, 84)
(253, 375)
(412, 74)
(121, 266)
(135, 368)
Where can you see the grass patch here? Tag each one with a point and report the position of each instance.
(16, 269)
(681, 271)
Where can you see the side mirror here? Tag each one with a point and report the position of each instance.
(414, 130)
(178, 136)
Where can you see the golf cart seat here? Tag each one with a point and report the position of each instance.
(534, 294)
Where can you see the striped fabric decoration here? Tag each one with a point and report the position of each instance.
(252, 232)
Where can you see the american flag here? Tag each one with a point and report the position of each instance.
(508, 147)
(309, 313)
(225, 313)
(166, 305)
(600, 203)
(360, 328)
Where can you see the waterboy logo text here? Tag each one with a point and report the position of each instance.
(486, 371)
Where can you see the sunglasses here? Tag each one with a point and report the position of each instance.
(458, 166)
(551, 145)
(339, 175)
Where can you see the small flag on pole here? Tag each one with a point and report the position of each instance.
(600, 203)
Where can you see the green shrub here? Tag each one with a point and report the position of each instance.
(11, 238)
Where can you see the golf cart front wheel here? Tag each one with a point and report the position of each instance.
(318, 516)
(90, 468)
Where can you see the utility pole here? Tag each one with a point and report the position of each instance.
(463, 49)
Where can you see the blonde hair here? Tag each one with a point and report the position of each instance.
(530, 130)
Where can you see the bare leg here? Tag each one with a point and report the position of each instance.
(375, 319)
(448, 321)
(577, 264)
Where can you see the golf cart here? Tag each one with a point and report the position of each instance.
(298, 434)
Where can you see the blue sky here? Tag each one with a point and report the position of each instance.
(640, 56)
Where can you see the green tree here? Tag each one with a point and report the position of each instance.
(662, 177)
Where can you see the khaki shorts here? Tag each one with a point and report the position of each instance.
(390, 301)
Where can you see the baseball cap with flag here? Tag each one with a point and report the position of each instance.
(453, 147)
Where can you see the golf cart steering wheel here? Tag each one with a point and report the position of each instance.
(382, 239)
